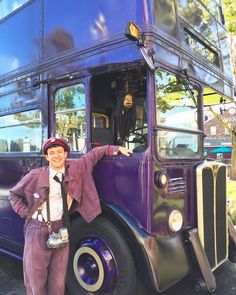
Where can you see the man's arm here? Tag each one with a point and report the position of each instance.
(97, 153)
(17, 198)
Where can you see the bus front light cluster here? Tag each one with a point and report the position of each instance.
(175, 221)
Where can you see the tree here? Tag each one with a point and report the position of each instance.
(232, 130)
(230, 22)
(230, 15)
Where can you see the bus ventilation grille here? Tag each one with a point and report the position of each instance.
(211, 210)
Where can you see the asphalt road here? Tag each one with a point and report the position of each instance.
(11, 279)
(11, 276)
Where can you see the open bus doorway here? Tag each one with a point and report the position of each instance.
(119, 106)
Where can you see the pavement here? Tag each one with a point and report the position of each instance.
(11, 280)
(11, 276)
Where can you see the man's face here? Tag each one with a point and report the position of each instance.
(128, 101)
(56, 157)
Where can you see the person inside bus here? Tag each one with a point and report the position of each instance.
(125, 116)
(43, 197)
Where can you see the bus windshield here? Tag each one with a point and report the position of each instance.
(177, 116)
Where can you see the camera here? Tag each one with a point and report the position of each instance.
(56, 240)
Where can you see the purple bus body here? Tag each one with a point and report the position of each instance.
(30, 47)
(49, 41)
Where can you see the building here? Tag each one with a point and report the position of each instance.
(217, 135)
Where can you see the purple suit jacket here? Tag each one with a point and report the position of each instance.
(30, 192)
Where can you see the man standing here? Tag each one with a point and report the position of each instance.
(38, 197)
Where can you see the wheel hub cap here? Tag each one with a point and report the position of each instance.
(94, 265)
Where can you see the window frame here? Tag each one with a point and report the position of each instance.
(161, 127)
(53, 89)
(13, 10)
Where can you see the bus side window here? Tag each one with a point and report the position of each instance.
(70, 115)
(23, 130)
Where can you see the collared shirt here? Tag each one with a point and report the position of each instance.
(55, 198)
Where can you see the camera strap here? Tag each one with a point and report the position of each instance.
(48, 214)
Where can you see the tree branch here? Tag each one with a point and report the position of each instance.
(226, 125)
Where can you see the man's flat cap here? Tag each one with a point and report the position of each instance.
(54, 141)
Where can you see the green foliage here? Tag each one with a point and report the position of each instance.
(230, 15)
(231, 188)
(231, 196)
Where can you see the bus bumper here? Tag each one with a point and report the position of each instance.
(201, 259)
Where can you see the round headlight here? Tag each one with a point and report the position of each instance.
(175, 221)
(161, 179)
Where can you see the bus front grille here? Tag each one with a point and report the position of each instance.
(211, 211)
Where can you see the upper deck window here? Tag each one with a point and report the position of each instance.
(7, 6)
(200, 47)
(215, 9)
(200, 19)
(164, 16)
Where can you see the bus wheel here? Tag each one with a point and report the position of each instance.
(100, 260)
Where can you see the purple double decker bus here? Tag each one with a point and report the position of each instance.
(65, 68)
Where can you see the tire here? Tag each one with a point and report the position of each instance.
(100, 260)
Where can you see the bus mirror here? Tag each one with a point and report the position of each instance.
(132, 32)
(148, 58)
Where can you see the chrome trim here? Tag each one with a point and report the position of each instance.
(93, 287)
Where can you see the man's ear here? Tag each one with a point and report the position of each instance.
(46, 157)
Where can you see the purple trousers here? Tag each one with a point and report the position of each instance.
(44, 268)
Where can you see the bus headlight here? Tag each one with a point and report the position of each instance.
(175, 221)
(161, 179)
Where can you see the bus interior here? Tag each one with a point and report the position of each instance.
(108, 93)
